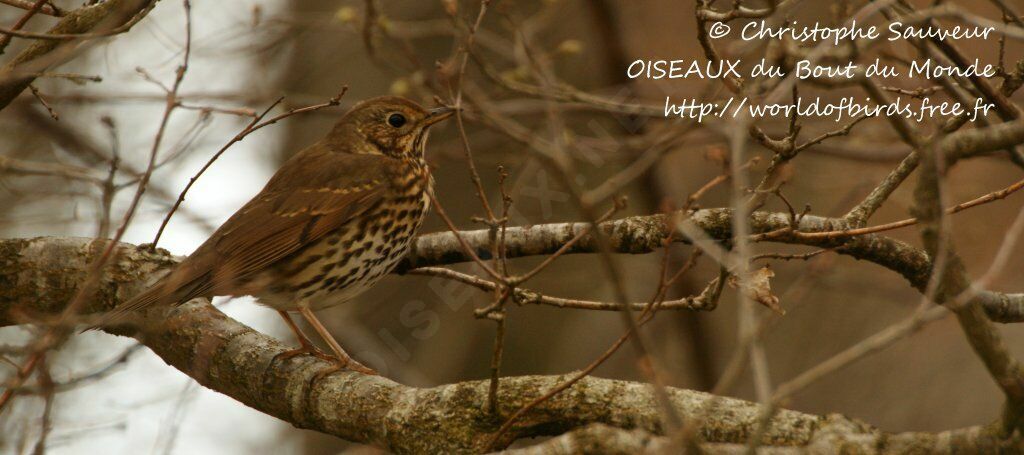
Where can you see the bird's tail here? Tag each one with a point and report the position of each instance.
(161, 293)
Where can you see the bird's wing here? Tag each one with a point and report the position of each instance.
(280, 224)
(306, 199)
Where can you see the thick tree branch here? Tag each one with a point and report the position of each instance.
(836, 435)
(40, 275)
(980, 141)
(951, 280)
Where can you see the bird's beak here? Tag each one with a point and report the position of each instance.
(437, 114)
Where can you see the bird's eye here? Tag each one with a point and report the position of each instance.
(396, 120)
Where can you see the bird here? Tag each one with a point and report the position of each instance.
(335, 218)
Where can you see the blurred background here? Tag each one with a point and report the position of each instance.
(421, 330)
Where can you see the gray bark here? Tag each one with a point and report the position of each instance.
(41, 275)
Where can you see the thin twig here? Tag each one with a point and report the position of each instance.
(32, 10)
(81, 36)
(48, 10)
(255, 124)
(842, 233)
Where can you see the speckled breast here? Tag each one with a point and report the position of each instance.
(350, 260)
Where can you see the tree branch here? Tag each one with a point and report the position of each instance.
(17, 74)
(40, 275)
(645, 234)
(231, 358)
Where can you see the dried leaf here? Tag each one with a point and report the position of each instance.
(757, 286)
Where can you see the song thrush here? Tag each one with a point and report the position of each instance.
(328, 225)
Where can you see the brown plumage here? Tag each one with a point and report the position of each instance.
(335, 218)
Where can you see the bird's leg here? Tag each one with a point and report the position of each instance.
(306, 347)
(343, 360)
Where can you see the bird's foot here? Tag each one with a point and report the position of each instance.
(356, 366)
(306, 349)
(336, 363)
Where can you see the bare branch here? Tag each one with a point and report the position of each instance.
(231, 358)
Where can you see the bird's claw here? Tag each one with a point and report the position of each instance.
(306, 350)
(358, 367)
(337, 364)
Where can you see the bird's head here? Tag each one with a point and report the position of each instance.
(388, 125)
